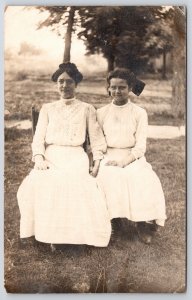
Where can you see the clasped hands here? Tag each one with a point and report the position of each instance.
(121, 163)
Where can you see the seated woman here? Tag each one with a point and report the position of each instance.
(132, 189)
(59, 200)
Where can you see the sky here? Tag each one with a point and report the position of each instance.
(20, 25)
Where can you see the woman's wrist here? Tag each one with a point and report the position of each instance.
(130, 159)
(97, 162)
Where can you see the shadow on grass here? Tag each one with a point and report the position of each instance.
(13, 133)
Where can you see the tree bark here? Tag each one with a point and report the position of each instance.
(164, 65)
(110, 62)
(179, 65)
(68, 35)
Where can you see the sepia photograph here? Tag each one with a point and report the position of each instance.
(95, 194)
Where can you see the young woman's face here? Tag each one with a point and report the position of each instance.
(66, 86)
(119, 90)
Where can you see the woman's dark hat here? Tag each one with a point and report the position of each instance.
(136, 85)
(70, 69)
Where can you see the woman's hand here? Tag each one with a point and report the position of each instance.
(116, 163)
(121, 163)
(111, 163)
(40, 163)
(95, 168)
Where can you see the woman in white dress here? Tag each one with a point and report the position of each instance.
(59, 200)
(132, 189)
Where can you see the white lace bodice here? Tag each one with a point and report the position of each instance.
(65, 124)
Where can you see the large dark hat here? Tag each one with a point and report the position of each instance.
(70, 69)
(136, 85)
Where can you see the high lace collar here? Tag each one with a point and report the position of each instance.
(121, 106)
(68, 101)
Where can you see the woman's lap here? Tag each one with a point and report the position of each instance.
(134, 192)
(64, 201)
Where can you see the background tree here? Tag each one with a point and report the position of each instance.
(121, 34)
(127, 36)
(65, 20)
(62, 20)
(159, 40)
(179, 61)
(132, 50)
(124, 35)
(101, 27)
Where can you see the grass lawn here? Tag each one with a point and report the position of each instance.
(126, 265)
(23, 89)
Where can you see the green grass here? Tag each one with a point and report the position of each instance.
(126, 265)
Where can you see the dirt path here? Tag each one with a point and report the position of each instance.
(157, 132)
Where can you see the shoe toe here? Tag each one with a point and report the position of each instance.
(147, 239)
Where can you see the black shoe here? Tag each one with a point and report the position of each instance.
(144, 232)
(144, 237)
(57, 247)
(154, 227)
(70, 249)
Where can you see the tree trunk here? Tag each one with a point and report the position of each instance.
(110, 62)
(179, 64)
(164, 65)
(68, 35)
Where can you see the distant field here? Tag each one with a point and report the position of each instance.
(27, 85)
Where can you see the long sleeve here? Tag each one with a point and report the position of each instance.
(38, 144)
(141, 135)
(97, 140)
(100, 117)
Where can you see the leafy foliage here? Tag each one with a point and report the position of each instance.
(125, 35)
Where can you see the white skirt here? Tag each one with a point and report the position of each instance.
(133, 192)
(63, 204)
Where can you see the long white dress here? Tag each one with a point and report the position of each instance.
(133, 192)
(63, 203)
